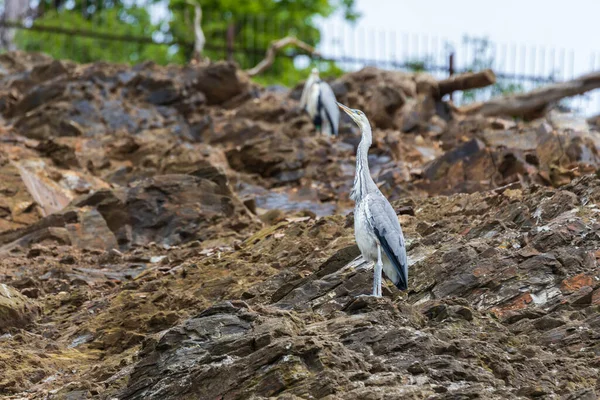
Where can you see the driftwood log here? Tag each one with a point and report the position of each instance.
(274, 47)
(535, 103)
(466, 81)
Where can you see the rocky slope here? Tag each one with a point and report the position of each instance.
(180, 233)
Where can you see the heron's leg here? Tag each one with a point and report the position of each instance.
(378, 272)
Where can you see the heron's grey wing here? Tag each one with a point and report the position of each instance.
(384, 222)
(332, 111)
(306, 90)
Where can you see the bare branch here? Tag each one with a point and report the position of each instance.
(274, 47)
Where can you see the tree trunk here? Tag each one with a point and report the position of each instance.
(14, 11)
(466, 81)
(535, 103)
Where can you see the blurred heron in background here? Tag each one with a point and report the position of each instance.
(376, 225)
(320, 103)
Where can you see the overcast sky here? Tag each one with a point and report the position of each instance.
(539, 29)
(571, 24)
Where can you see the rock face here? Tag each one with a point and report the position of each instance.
(503, 297)
(16, 310)
(187, 235)
(166, 209)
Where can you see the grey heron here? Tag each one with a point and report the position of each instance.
(376, 227)
(319, 101)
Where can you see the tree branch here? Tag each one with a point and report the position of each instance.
(274, 47)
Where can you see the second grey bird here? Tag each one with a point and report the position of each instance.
(376, 227)
(319, 101)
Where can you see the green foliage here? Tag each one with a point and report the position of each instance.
(419, 65)
(132, 21)
(255, 24)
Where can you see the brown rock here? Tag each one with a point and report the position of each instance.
(219, 81)
(91, 231)
(383, 104)
(16, 310)
(576, 282)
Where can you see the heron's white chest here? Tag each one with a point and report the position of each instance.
(363, 232)
(313, 100)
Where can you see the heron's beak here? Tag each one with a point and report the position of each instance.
(348, 110)
(350, 113)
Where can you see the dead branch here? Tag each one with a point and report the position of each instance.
(535, 103)
(274, 47)
(466, 81)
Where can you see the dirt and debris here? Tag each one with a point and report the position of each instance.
(179, 232)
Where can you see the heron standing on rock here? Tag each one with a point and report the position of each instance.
(319, 101)
(376, 227)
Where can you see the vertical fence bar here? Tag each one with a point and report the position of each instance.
(416, 51)
(354, 46)
(562, 64)
(252, 28)
(362, 35)
(523, 65)
(372, 46)
(451, 68)
(383, 49)
(436, 52)
(598, 95)
(552, 61)
(503, 55)
(405, 45)
(230, 40)
(543, 61)
(425, 56)
(514, 58)
(533, 56)
(464, 54)
(394, 53)
(342, 41)
(572, 63)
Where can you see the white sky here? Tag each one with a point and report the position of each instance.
(540, 29)
(571, 24)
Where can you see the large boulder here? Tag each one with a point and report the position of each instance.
(383, 95)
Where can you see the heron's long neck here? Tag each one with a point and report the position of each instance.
(363, 183)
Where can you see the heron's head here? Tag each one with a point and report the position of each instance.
(357, 116)
(315, 72)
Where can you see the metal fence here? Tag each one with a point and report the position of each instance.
(517, 67)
